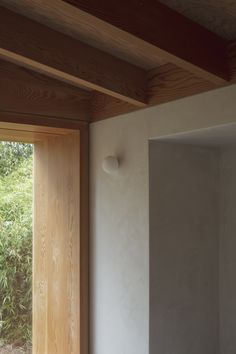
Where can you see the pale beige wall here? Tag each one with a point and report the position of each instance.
(120, 216)
(184, 252)
(227, 286)
(119, 240)
(193, 245)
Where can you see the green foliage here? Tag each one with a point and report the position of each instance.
(15, 242)
(12, 154)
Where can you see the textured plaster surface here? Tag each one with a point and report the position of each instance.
(119, 215)
(184, 236)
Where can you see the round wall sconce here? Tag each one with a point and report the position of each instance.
(110, 164)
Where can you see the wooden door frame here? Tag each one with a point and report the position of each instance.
(31, 129)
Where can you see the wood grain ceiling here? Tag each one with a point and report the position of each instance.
(28, 92)
(119, 56)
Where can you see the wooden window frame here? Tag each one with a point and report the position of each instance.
(30, 129)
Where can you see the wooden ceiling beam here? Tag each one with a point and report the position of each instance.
(26, 92)
(166, 83)
(33, 94)
(39, 48)
(160, 31)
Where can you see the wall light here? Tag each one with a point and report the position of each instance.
(110, 164)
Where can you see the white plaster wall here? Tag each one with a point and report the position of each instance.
(119, 215)
(119, 247)
(184, 252)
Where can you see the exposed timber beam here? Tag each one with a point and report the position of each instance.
(166, 83)
(138, 27)
(160, 31)
(39, 48)
(29, 93)
(26, 92)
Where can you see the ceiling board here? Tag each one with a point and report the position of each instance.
(219, 16)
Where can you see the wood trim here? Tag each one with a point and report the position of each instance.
(28, 92)
(84, 239)
(12, 131)
(21, 128)
(56, 147)
(38, 122)
(160, 31)
(23, 136)
(22, 41)
(56, 247)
